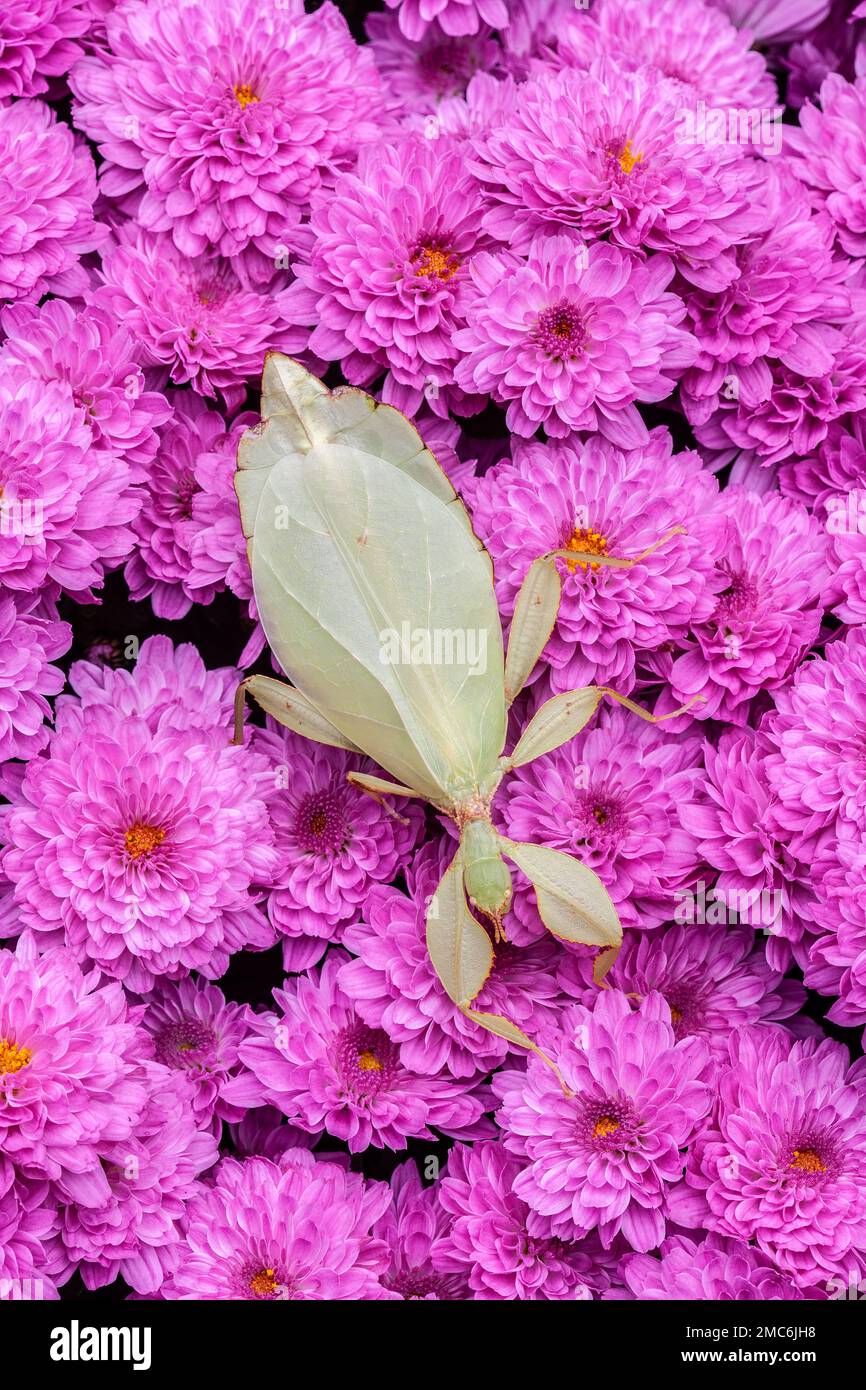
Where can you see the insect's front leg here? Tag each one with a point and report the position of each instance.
(379, 788)
(290, 708)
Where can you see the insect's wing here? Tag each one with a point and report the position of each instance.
(359, 572)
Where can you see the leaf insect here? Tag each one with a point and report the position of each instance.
(355, 534)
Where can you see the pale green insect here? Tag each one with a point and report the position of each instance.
(377, 600)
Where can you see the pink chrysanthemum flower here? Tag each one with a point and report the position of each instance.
(65, 508)
(411, 1227)
(817, 768)
(123, 1216)
(47, 192)
(394, 987)
(837, 963)
(592, 497)
(603, 1157)
(829, 149)
(776, 20)
(611, 153)
(299, 1229)
(455, 17)
(783, 1162)
(30, 638)
(195, 318)
(28, 1219)
(711, 1270)
(740, 835)
(614, 797)
(777, 362)
(823, 481)
(38, 42)
(488, 1241)
(70, 1076)
(714, 978)
(685, 40)
(571, 337)
(438, 66)
(333, 842)
(141, 845)
(393, 246)
(226, 118)
(773, 559)
(170, 530)
(327, 1070)
(197, 1032)
(98, 360)
(169, 686)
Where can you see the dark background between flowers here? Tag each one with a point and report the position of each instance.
(219, 631)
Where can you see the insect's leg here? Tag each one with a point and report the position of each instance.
(290, 708)
(534, 615)
(379, 787)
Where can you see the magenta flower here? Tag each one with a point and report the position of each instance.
(39, 42)
(615, 798)
(837, 963)
(66, 507)
(711, 1270)
(713, 978)
(70, 1073)
(572, 337)
(195, 318)
(828, 149)
(99, 361)
(197, 1032)
(836, 470)
(488, 1241)
(47, 192)
(141, 845)
(170, 528)
(773, 562)
(393, 247)
(30, 638)
(603, 1157)
(816, 770)
(611, 152)
(783, 1162)
(28, 1219)
(225, 119)
(691, 43)
(778, 20)
(333, 841)
(740, 835)
(456, 17)
(300, 1229)
(394, 987)
(438, 66)
(411, 1228)
(123, 1216)
(592, 497)
(318, 1062)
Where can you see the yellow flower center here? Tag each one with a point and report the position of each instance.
(807, 1161)
(13, 1058)
(676, 1015)
(436, 262)
(245, 95)
(368, 1061)
(589, 542)
(141, 839)
(264, 1283)
(604, 1126)
(627, 160)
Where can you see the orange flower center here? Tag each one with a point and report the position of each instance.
(368, 1061)
(142, 839)
(604, 1126)
(13, 1058)
(627, 160)
(244, 95)
(435, 262)
(264, 1283)
(807, 1161)
(589, 542)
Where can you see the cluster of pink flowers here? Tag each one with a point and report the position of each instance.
(611, 259)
